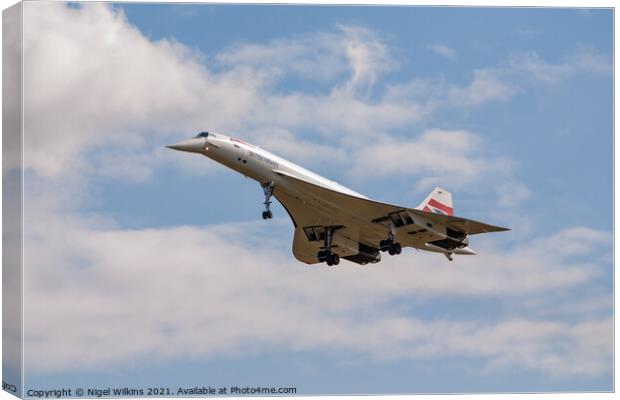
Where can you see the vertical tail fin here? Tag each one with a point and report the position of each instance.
(438, 202)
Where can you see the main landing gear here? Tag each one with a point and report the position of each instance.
(268, 190)
(327, 255)
(390, 245)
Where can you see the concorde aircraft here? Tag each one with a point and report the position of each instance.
(334, 222)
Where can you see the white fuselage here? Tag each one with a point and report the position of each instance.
(259, 164)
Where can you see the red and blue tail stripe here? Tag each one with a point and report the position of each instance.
(438, 208)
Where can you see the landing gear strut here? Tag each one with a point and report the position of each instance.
(268, 190)
(327, 255)
(390, 245)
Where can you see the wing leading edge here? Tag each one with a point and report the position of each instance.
(372, 210)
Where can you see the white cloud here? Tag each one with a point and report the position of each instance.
(368, 58)
(435, 151)
(442, 50)
(538, 70)
(93, 81)
(589, 60)
(337, 115)
(511, 193)
(161, 294)
(453, 158)
(486, 86)
(434, 94)
(581, 239)
(316, 56)
(323, 56)
(149, 93)
(522, 69)
(518, 72)
(534, 68)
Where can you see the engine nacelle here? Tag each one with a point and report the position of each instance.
(454, 240)
(365, 255)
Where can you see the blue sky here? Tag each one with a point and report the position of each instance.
(160, 259)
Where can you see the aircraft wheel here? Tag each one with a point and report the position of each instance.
(397, 248)
(335, 259)
(267, 215)
(322, 256)
(384, 245)
(330, 260)
(391, 250)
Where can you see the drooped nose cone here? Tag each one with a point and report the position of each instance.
(195, 145)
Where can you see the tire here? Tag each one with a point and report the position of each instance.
(335, 259)
(384, 245)
(264, 214)
(397, 248)
(391, 250)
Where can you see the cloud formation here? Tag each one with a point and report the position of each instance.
(350, 51)
(151, 92)
(148, 93)
(168, 295)
(442, 50)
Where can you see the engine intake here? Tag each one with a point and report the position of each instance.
(455, 240)
(366, 254)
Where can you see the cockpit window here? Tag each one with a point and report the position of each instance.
(202, 134)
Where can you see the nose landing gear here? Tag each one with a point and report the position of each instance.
(268, 191)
